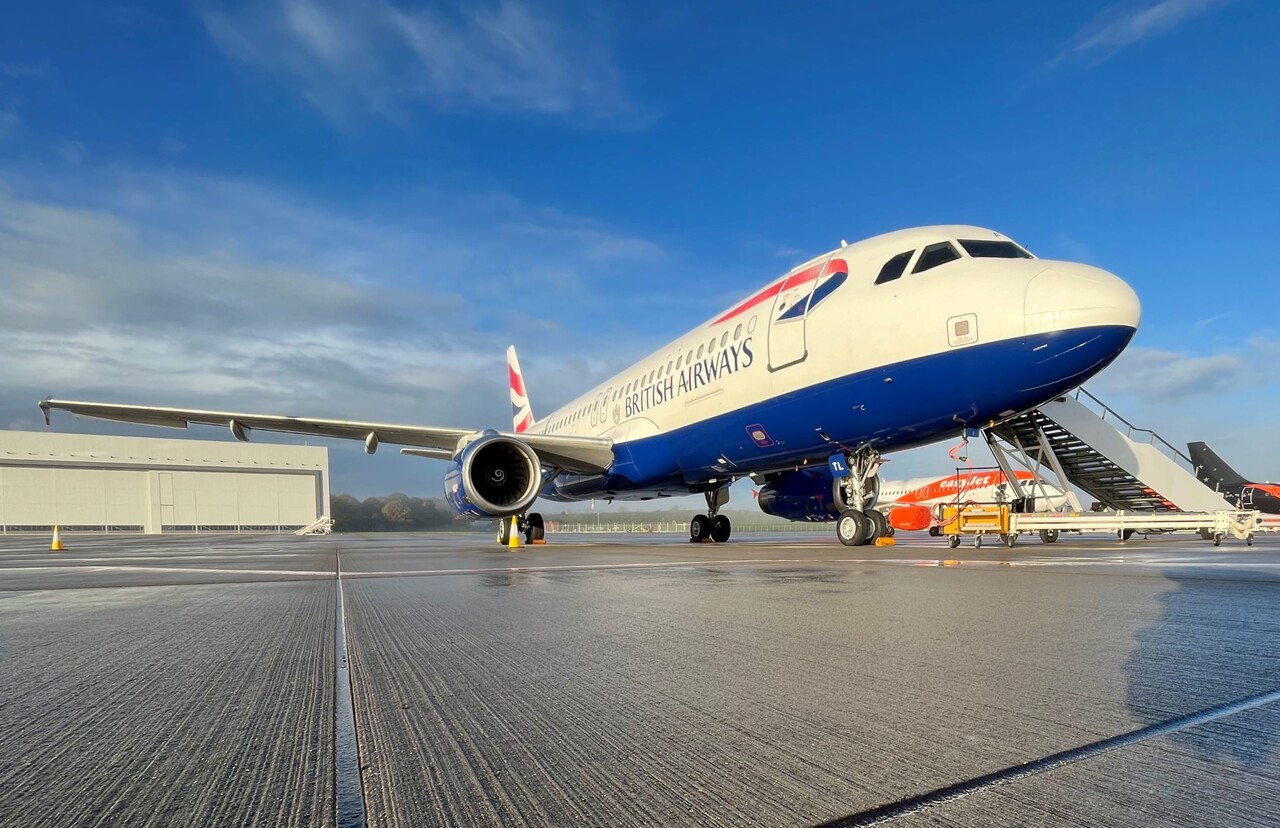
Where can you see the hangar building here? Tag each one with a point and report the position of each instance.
(93, 482)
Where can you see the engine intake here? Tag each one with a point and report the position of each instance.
(493, 476)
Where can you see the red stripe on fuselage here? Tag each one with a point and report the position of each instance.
(833, 266)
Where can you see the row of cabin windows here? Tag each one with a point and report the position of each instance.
(934, 255)
(612, 395)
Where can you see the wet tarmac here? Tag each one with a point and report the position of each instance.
(637, 680)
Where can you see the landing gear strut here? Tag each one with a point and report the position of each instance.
(711, 525)
(859, 521)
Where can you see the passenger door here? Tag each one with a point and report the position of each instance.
(787, 322)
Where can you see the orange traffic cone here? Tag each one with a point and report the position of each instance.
(56, 546)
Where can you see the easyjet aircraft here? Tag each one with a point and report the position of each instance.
(1214, 472)
(908, 504)
(894, 342)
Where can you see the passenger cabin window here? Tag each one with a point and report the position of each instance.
(934, 255)
(894, 268)
(991, 249)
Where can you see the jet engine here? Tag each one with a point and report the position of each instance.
(493, 476)
(911, 518)
(808, 495)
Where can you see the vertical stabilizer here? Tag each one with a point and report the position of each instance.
(521, 411)
(1212, 470)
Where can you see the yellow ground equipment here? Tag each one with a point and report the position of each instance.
(976, 519)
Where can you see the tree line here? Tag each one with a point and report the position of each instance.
(394, 513)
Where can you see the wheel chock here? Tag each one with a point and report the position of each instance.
(886, 542)
(538, 542)
(56, 546)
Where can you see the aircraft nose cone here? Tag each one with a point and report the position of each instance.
(1068, 295)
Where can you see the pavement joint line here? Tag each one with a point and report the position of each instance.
(919, 803)
(348, 800)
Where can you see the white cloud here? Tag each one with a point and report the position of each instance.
(1115, 30)
(166, 288)
(349, 58)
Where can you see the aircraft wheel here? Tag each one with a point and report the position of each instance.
(953, 541)
(535, 529)
(1009, 539)
(1048, 535)
(504, 531)
(877, 526)
(851, 527)
(720, 528)
(699, 528)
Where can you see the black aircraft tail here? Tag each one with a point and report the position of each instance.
(1212, 470)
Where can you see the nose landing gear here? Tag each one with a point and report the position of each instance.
(859, 522)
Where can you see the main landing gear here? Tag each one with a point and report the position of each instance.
(530, 526)
(857, 523)
(711, 525)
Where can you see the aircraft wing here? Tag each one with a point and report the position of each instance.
(579, 455)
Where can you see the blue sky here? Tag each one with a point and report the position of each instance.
(350, 209)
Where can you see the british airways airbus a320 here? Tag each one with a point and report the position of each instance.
(891, 343)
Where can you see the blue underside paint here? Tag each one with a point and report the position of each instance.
(894, 408)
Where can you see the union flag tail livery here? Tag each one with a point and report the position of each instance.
(897, 341)
(1238, 490)
(521, 411)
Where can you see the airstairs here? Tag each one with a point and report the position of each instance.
(1123, 467)
(321, 526)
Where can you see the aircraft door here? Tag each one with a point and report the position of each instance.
(787, 344)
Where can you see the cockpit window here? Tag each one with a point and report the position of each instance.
(991, 249)
(894, 268)
(934, 255)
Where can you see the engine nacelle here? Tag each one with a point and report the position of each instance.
(809, 495)
(492, 477)
(911, 518)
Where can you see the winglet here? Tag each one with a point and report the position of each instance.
(521, 411)
(44, 409)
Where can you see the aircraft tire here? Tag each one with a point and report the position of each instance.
(1048, 535)
(699, 528)
(877, 526)
(536, 530)
(504, 531)
(720, 528)
(851, 527)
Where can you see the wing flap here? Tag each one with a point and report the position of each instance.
(580, 455)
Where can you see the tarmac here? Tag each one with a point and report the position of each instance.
(637, 680)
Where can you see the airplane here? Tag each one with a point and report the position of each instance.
(894, 342)
(1214, 472)
(908, 503)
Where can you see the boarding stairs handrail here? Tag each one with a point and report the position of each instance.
(1131, 429)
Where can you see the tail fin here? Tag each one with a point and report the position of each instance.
(521, 411)
(1212, 470)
